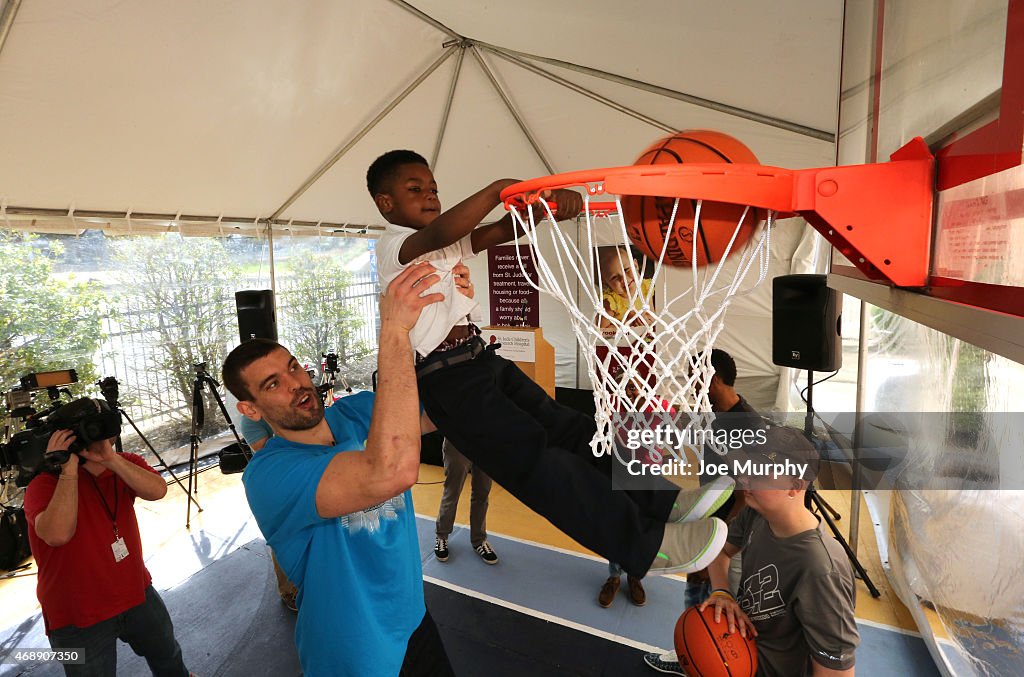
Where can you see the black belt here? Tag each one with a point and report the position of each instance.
(446, 358)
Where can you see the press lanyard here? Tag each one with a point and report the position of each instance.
(117, 497)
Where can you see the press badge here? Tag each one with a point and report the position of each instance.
(119, 549)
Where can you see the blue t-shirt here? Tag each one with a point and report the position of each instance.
(359, 576)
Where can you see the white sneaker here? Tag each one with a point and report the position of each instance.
(702, 502)
(689, 546)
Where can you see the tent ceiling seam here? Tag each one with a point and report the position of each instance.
(426, 18)
(7, 14)
(718, 106)
(448, 104)
(580, 89)
(511, 109)
(324, 168)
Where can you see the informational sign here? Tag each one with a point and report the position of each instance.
(514, 303)
(980, 235)
(516, 346)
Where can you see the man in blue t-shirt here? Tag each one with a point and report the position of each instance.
(330, 492)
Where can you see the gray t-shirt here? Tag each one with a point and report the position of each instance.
(798, 592)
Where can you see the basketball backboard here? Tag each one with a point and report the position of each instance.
(949, 71)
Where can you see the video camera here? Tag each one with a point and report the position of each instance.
(90, 420)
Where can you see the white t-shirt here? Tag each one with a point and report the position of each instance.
(437, 319)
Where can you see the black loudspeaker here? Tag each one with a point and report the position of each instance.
(806, 323)
(256, 317)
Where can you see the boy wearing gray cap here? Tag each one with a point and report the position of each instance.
(796, 593)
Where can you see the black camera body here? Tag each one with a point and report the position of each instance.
(90, 420)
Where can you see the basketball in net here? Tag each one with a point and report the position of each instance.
(649, 218)
(707, 648)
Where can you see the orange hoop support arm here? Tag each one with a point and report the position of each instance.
(879, 216)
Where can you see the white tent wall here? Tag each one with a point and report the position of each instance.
(262, 109)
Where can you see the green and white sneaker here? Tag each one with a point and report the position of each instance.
(702, 502)
(689, 546)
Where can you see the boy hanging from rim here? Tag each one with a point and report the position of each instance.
(500, 419)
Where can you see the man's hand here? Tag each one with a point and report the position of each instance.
(61, 441)
(463, 285)
(734, 616)
(404, 299)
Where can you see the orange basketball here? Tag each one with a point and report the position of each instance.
(647, 218)
(708, 649)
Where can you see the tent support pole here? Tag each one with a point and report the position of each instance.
(428, 19)
(340, 153)
(579, 89)
(448, 105)
(673, 94)
(7, 15)
(270, 261)
(511, 109)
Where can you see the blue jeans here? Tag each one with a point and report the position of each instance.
(146, 628)
(695, 593)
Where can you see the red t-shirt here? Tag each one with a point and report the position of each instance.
(80, 583)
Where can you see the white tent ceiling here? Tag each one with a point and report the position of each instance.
(230, 108)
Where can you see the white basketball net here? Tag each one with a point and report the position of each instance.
(672, 322)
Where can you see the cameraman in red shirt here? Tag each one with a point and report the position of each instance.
(93, 585)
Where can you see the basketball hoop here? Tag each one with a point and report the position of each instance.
(663, 349)
(661, 346)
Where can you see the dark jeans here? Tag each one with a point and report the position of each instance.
(540, 452)
(146, 628)
(425, 655)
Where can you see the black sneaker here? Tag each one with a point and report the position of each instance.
(486, 553)
(441, 549)
(664, 663)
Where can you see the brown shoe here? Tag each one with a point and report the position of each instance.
(608, 591)
(636, 591)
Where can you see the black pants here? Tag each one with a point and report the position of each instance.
(425, 655)
(540, 452)
(146, 628)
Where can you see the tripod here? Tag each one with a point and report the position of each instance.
(203, 378)
(108, 387)
(329, 378)
(827, 512)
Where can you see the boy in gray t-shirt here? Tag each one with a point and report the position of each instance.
(796, 592)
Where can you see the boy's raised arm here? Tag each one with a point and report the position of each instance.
(454, 224)
(461, 220)
(568, 203)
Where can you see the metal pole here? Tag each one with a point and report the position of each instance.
(580, 89)
(360, 134)
(428, 19)
(862, 370)
(7, 20)
(448, 106)
(673, 94)
(511, 109)
(270, 260)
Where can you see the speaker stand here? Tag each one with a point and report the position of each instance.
(827, 512)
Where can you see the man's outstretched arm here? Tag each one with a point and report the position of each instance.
(390, 462)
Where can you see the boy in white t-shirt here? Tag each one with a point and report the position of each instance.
(500, 419)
